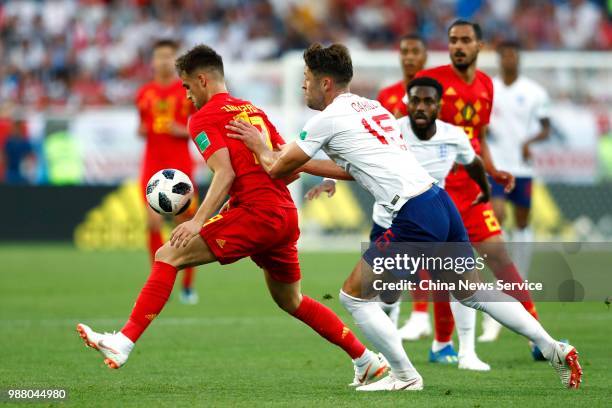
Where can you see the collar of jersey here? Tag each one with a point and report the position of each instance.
(219, 95)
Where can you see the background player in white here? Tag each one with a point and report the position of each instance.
(365, 144)
(520, 118)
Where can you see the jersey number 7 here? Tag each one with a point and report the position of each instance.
(260, 124)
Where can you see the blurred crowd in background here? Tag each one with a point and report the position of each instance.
(94, 52)
(73, 54)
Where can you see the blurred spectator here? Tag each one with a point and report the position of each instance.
(58, 52)
(577, 21)
(18, 155)
(6, 126)
(63, 158)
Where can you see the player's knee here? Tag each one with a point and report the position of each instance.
(167, 254)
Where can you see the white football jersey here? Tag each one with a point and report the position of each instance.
(437, 155)
(516, 116)
(363, 138)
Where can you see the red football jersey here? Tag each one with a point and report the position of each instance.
(159, 106)
(392, 99)
(466, 105)
(252, 184)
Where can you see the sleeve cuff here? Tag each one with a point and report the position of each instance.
(307, 147)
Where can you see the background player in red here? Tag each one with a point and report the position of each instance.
(467, 102)
(260, 222)
(413, 57)
(164, 110)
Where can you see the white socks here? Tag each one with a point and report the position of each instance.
(522, 250)
(507, 311)
(379, 329)
(465, 324)
(364, 359)
(392, 310)
(123, 342)
(439, 345)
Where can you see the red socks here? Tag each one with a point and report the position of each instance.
(509, 273)
(155, 242)
(151, 299)
(444, 324)
(188, 277)
(325, 322)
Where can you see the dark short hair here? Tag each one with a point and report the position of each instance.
(412, 36)
(425, 81)
(475, 27)
(200, 56)
(509, 44)
(334, 61)
(166, 42)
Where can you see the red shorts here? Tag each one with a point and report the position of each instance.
(267, 234)
(479, 220)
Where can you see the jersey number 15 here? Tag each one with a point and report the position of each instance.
(388, 132)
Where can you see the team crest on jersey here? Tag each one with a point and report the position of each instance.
(162, 104)
(443, 151)
(468, 112)
(303, 134)
(202, 141)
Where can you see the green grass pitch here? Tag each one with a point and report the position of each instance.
(235, 348)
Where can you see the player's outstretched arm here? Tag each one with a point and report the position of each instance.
(325, 168)
(277, 164)
(477, 172)
(223, 177)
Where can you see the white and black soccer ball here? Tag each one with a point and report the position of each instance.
(169, 192)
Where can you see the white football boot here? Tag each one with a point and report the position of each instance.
(490, 329)
(114, 347)
(472, 362)
(564, 360)
(374, 368)
(391, 383)
(417, 326)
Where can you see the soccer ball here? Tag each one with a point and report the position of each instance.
(169, 192)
